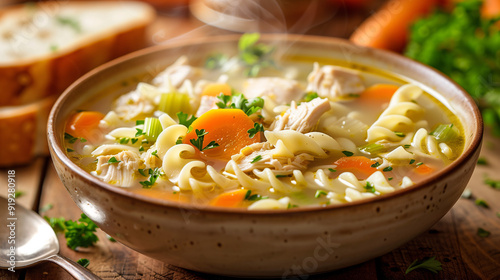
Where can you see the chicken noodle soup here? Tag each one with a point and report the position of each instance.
(266, 136)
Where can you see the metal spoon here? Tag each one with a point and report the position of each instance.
(26, 239)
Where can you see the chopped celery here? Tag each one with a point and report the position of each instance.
(445, 132)
(373, 148)
(174, 102)
(152, 128)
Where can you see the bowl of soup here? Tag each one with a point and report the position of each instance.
(264, 156)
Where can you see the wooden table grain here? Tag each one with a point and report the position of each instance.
(453, 240)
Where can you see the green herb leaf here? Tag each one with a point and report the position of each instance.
(387, 169)
(70, 22)
(184, 120)
(430, 264)
(332, 170)
(110, 238)
(399, 134)
(256, 159)
(216, 61)
(18, 194)
(254, 56)
(290, 206)
(482, 203)
(375, 165)
(310, 96)
(153, 176)
(134, 140)
(198, 142)
(347, 153)
(257, 127)
(69, 150)
(139, 122)
(412, 161)
(139, 132)
(124, 140)
(319, 193)
(71, 139)
(46, 208)
(155, 153)
(369, 187)
(83, 262)
(482, 232)
(492, 183)
(113, 160)
(482, 161)
(238, 101)
(253, 197)
(81, 233)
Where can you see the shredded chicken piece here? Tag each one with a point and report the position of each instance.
(207, 103)
(130, 106)
(120, 173)
(177, 73)
(333, 81)
(260, 156)
(282, 91)
(151, 158)
(301, 118)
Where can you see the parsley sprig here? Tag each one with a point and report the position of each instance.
(185, 120)
(152, 175)
(254, 56)
(257, 127)
(79, 233)
(200, 137)
(430, 264)
(238, 101)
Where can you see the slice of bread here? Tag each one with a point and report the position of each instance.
(44, 47)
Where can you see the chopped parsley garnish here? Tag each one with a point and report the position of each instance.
(253, 197)
(198, 142)
(290, 206)
(79, 233)
(238, 101)
(387, 169)
(70, 22)
(139, 122)
(369, 187)
(406, 146)
(254, 56)
(18, 194)
(399, 134)
(155, 153)
(482, 203)
(113, 160)
(71, 139)
(281, 175)
(463, 45)
(482, 161)
(375, 165)
(310, 96)
(185, 120)
(412, 161)
(332, 170)
(256, 159)
(257, 127)
(430, 264)
(153, 176)
(110, 238)
(83, 262)
(390, 179)
(141, 149)
(139, 132)
(133, 140)
(482, 232)
(420, 163)
(320, 193)
(69, 150)
(347, 153)
(124, 140)
(178, 141)
(46, 208)
(215, 61)
(492, 183)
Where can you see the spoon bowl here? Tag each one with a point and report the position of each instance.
(28, 240)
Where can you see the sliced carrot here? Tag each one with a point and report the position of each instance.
(359, 165)
(229, 199)
(228, 128)
(85, 125)
(389, 27)
(490, 8)
(378, 92)
(423, 169)
(216, 90)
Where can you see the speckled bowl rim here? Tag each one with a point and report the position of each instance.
(57, 151)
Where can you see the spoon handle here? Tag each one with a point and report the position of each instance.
(76, 270)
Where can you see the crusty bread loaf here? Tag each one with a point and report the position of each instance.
(44, 47)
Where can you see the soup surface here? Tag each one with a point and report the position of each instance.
(248, 132)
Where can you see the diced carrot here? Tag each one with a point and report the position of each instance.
(216, 90)
(423, 169)
(228, 128)
(85, 125)
(229, 199)
(490, 8)
(388, 28)
(378, 92)
(359, 165)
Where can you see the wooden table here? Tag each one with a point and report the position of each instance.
(453, 240)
